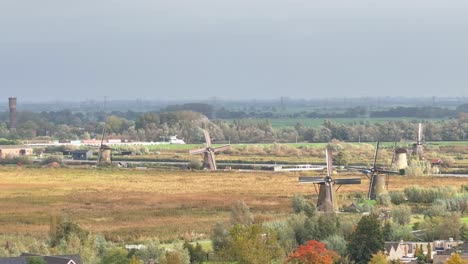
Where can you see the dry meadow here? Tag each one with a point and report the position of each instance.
(135, 204)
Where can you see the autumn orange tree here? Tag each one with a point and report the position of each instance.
(313, 252)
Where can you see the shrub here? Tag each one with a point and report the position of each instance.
(52, 159)
(397, 197)
(336, 243)
(195, 164)
(417, 194)
(384, 199)
(300, 205)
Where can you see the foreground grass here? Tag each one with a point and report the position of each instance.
(134, 204)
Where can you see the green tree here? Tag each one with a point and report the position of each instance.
(387, 231)
(252, 244)
(151, 251)
(197, 254)
(366, 240)
(35, 260)
(115, 256)
(219, 236)
(327, 225)
(429, 253)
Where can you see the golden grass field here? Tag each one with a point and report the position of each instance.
(135, 204)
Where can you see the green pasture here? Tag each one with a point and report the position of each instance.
(188, 147)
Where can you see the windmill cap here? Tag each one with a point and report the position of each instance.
(401, 150)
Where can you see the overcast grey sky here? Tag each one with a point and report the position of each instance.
(195, 49)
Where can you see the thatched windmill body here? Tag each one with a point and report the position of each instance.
(378, 177)
(209, 152)
(418, 149)
(400, 159)
(326, 195)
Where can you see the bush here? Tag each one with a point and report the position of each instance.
(52, 159)
(418, 168)
(24, 160)
(300, 205)
(397, 197)
(336, 243)
(417, 194)
(195, 164)
(384, 199)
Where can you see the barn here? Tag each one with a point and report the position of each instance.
(82, 154)
(14, 151)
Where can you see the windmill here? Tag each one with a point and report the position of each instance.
(418, 149)
(400, 157)
(208, 152)
(105, 154)
(326, 197)
(378, 182)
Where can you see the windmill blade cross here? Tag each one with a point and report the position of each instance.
(197, 151)
(419, 134)
(387, 171)
(348, 181)
(207, 138)
(103, 133)
(375, 154)
(307, 179)
(222, 148)
(328, 154)
(393, 156)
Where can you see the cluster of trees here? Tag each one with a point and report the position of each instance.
(352, 112)
(306, 237)
(150, 126)
(66, 237)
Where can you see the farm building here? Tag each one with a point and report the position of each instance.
(14, 151)
(82, 154)
(58, 259)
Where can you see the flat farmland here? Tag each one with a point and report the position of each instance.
(137, 204)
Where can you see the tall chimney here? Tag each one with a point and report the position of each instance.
(12, 103)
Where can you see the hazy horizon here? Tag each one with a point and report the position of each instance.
(234, 50)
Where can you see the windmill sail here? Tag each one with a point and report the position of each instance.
(326, 196)
(208, 152)
(377, 181)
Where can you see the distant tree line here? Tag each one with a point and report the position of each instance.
(150, 126)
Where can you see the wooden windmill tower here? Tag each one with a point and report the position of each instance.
(378, 177)
(326, 197)
(209, 152)
(418, 149)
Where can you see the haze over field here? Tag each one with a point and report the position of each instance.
(232, 49)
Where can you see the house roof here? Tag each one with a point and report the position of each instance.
(81, 151)
(57, 259)
(15, 260)
(389, 245)
(14, 147)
